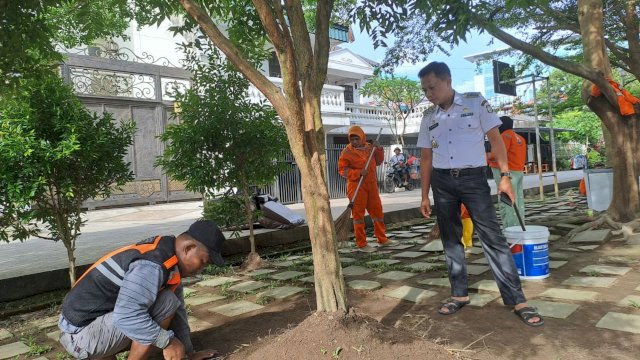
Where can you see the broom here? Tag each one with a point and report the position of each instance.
(343, 224)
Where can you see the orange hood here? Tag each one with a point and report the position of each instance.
(357, 130)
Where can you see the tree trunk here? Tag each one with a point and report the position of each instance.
(71, 247)
(311, 159)
(625, 201)
(249, 213)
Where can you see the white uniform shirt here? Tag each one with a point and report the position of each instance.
(457, 135)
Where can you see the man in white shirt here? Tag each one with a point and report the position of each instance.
(453, 164)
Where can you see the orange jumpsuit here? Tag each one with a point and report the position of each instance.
(350, 164)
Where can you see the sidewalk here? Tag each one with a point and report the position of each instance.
(109, 229)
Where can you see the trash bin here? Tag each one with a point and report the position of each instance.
(599, 184)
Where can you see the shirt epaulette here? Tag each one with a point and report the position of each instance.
(430, 110)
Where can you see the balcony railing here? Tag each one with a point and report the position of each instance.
(331, 99)
(379, 116)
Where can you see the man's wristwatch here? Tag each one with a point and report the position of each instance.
(507, 174)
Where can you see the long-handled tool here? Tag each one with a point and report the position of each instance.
(343, 223)
(505, 199)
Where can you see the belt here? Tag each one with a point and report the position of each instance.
(461, 172)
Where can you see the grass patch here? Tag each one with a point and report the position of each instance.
(634, 304)
(218, 270)
(594, 273)
(35, 349)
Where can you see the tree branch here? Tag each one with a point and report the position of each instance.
(630, 22)
(321, 46)
(271, 91)
(547, 58)
(300, 36)
(274, 30)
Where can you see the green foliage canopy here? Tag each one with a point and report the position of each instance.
(224, 140)
(54, 155)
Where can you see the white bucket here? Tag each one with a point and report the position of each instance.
(531, 250)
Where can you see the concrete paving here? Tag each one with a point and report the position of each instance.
(281, 292)
(554, 309)
(621, 322)
(5, 334)
(364, 285)
(236, 308)
(202, 299)
(14, 349)
(567, 294)
(409, 293)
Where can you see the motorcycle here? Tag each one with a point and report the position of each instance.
(394, 179)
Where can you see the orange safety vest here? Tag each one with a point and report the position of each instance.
(625, 99)
(96, 291)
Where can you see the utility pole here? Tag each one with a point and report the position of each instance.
(538, 138)
(552, 140)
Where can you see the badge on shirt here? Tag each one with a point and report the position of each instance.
(434, 144)
(433, 126)
(466, 114)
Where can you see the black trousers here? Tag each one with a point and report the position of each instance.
(470, 187)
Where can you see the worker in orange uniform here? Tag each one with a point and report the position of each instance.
(351, 166)
(467, 227)
(516, 156)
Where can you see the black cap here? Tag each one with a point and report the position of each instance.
(209, 234)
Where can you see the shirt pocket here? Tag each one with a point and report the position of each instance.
(469, 129)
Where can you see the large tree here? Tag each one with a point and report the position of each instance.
(539, 30)
(238, 28)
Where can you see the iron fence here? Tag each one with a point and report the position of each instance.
(288, 187)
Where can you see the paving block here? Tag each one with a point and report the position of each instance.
(474, 250)
(236, 308)
(399, 247)
(485, 285)
(409, 254)
(434, 246)
(261, 272)
(196, 324)
(558, 255)
(480, 261)
(217, 281)
(591, 236)
(45, 323)
(420, 227)
(572, 249)
(420, 241)
(202, 299)
(424, 266)
(347, 250)
(347, 260)
(436, 282)
(554, 237)
(396, 275)
(476, 269)
(308, 279)
(604, 269)
(409, 293)
(287, 275)
(364, 285)
(54, 335)
(422, 231)
(14, 349)
(568, 294)
(555, 264)
(5, 334)
(554, 309)
(187, 291)
(638, 288)
(382, 261)
(281, 292)
(632, 301)
(621, 322)
(481, 300)
(248, 286)
(587, 247)
(355, 270)
(283, 264)
(408, 235)
(566, 227)
(590, 281)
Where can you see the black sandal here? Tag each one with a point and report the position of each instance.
(452, 305)
(527, 313)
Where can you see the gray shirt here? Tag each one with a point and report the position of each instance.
(139, 290)
(457, 134)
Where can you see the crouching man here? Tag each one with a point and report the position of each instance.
(131, 299)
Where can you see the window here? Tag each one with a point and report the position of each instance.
(274, 66)
(348, 93)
